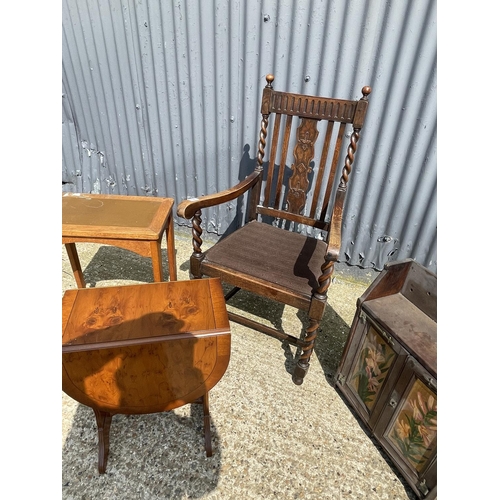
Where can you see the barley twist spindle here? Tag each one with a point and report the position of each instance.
(262, 141)
(349, 159)
(196, 232)
(325, 278)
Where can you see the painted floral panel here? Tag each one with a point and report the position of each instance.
(375, 359)
(414, 431)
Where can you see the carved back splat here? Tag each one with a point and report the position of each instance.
(306, 112)
(303, 152)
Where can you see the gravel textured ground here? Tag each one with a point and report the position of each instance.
(271, 438)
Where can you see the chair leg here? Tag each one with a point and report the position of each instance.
(303, 364)
(103, 425)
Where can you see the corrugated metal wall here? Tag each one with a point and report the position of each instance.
(162, 97)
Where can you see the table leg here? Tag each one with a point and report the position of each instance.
(156, 260)
(103, 419)
(75, 264)
(172, 264)
(206, 425)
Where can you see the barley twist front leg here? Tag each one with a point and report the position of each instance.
(303, 364)
(317, 309)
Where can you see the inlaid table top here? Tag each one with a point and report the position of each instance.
(114, 216)
(134, 223)
(95, 318)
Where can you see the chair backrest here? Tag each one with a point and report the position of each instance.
(313, 162)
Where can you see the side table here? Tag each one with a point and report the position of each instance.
(135, 223)
(145, 348)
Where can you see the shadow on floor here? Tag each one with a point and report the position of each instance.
(113, 263)
(162, 455)
(376, 444)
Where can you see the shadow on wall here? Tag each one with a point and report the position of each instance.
(247, 166)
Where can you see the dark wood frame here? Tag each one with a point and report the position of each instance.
(291, 207)
(401, 305)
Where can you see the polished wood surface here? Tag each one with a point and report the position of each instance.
(264, 256)
(135, 223)
(144, 348)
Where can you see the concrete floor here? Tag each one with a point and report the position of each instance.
(271, 438)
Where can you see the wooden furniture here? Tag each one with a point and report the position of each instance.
(388, 371)
(270, 255)
(144, 349)
(135, 223)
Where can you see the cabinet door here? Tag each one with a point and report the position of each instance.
(407, 427)
(371, 364)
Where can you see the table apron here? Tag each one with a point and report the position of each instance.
(141, 247)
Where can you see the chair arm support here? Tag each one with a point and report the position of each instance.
(187, 208)
(334, 240)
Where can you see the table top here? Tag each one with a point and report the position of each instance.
(96, 318)
(114, 216)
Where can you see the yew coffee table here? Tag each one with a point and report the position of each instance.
(135, 223)
(144, 348)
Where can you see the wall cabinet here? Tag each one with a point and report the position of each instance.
(388, 371)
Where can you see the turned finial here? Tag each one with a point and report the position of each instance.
(366, 91)
(269, 80)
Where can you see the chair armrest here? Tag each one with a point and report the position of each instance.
(187, 208)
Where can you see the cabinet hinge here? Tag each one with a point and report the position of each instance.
(386, 336)
(383, 333)
(431, 383)
(423, 487)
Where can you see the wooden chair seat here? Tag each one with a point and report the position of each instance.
(248, 256)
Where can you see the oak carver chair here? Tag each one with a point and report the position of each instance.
(276, 260)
